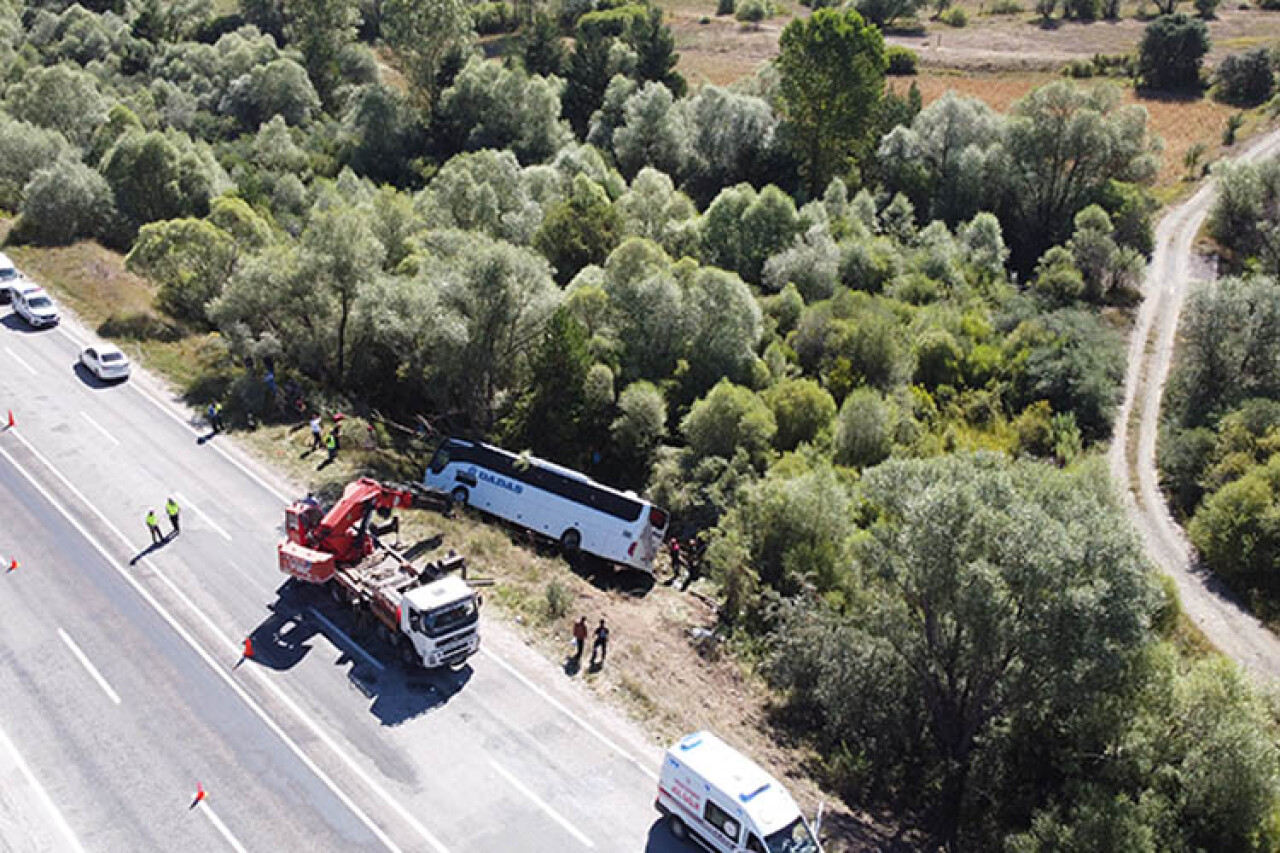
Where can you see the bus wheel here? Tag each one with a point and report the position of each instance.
(459, 496)
(677, 827)
(571, 541)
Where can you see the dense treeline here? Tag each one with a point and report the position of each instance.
(1217, 452)
(791, 309)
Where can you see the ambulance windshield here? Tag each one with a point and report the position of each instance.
(794, 839)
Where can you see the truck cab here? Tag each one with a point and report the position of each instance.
(441, 620)
(710, 793)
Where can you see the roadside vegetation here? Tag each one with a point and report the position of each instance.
(1218, 449)
(866, 350)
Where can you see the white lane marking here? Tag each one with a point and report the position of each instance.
(540, 803)
(87, 664)
(372, 661)
(555, 703)
(185, 501)
(235, 649)
(99, 428)
(204, 806)
(644, 768)
(18, 359)
(216, 449)
(59, 821)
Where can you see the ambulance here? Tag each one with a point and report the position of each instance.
(710, 793)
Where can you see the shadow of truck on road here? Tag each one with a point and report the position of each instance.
(399, 692)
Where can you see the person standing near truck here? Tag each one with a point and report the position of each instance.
(171, 507)
(315, 432)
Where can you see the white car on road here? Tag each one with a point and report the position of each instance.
(35, 306)
(105, 361)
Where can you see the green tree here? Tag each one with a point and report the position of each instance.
(1065, 144)
(341, 256)
(580, 230)
(541, 48)
(946, 669)
(802, 409)
(586, 80)
(650, 134)
(730, 418)
(1245, 79)
(62, 98)
(493, 106)
(1171, 51)
(24, 150)
(501, 297)
(883, 13)
(380, 134)
(64, 202)
(279, 88)
(554, 403)
(864, 429)
(190, 260)
(321, 30)
(640, 425)
(831, 74)
(159, 176)
(424, 34)
(655, 49)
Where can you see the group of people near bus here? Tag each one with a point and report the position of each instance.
(686, 554)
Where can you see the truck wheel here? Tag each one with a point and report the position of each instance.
(571, 541)
(677, 827)
(459, 496)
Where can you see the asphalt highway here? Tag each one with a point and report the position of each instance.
(122, 684)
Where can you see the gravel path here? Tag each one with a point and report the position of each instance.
(1223, 619)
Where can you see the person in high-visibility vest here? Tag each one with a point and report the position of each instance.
(153, 524)
(171, 507)
(331, 445)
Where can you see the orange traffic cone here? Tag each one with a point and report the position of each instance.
(248, 647)
(200, 794)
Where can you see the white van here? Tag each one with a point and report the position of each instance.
(711, 793)
(9, 277)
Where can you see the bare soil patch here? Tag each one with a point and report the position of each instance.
(721, 50)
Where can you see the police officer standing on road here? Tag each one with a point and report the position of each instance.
(171, 507)
(153, 524)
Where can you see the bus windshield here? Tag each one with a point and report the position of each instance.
(794, 839)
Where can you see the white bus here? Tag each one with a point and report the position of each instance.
(551, 501)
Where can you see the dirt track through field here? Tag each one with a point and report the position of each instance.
(1223, 619)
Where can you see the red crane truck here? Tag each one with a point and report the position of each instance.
(429, 612)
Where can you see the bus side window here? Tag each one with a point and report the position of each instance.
(466, 478)
(439, 461)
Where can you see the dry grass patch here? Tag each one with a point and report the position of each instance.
(88, 278)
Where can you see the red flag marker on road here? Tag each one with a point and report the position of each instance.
(11, 419)
(248, 647)
(200, 794)
(13, 563)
